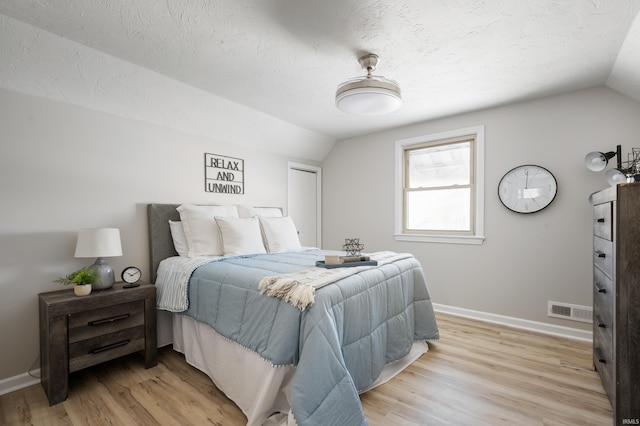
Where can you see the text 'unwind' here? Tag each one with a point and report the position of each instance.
(223, 175)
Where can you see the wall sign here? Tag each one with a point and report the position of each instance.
(223, 175)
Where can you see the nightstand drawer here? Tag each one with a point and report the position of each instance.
(96, 322)
(105, 347)
(603, 255)
(602, 224)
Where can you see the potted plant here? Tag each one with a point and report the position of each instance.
(81, 279)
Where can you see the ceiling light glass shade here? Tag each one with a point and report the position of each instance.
(597, 161)
(615, 176)
(372, 95)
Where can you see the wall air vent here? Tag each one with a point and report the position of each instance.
(569, 311)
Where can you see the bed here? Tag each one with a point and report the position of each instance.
(282, 359)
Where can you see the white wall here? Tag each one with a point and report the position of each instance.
(525, 259)
(64, 167)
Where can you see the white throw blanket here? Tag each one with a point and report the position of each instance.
(298, 288)
(172, 281)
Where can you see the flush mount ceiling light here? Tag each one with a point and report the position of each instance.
(370, 95)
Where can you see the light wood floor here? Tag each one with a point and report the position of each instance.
(476, 374)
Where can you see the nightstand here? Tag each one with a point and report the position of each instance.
(78, 332)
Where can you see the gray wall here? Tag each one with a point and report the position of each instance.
(63, 168)
(525, 260)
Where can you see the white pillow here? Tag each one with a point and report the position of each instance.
(240, 235)
(244, 211)
(280, 234)
(179, 238)
(201, 230)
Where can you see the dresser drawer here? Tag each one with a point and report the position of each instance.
(97, 322)
(602, 224)
(603, 322)
(603, 292)
(603, 361)
(102, 348)
(603, 353)
(603, 255)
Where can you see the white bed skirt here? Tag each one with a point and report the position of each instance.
(260, 390)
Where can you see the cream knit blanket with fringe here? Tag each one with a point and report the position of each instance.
(298, 288)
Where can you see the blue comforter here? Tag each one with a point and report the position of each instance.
(339, 345)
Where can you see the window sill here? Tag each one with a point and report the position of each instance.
(443, 239)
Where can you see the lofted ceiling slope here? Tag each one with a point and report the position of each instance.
(285, 58)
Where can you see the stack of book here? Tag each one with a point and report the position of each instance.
(347, 259)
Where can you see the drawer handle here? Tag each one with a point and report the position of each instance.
(600, 220)
(601, 289)
(600, 356)
(108, 347)
(109, 320)
(599, 322)
(600, 254)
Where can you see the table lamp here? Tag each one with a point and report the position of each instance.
(100, 242)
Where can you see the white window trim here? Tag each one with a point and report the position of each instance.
(479, 237)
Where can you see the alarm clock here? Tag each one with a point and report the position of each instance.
(131, 275)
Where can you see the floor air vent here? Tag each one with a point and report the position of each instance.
(569, 311)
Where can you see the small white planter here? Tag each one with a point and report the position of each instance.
(82, 290)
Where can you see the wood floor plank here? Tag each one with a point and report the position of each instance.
(477, 373)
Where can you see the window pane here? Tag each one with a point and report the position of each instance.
(438, 166)
(447, 209)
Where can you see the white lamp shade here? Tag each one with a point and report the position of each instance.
(615, 176)
(595, 161)
(98, 242)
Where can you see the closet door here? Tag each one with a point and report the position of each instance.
(304, 202)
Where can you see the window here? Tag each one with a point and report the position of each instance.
(440, 187)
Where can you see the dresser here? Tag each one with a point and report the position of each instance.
(78, 332)
(616, 297)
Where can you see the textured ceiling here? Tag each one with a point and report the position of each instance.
(285, 58)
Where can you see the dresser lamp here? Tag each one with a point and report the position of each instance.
(100, 243)
(625, 171)
(597, 161)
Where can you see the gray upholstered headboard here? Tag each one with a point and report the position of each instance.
(160, 242)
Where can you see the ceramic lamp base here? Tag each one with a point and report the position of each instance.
(106, 277)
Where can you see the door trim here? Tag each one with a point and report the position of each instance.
(318, 172)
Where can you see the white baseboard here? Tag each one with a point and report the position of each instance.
(23, 380)
(20, 381)
(523, 324)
